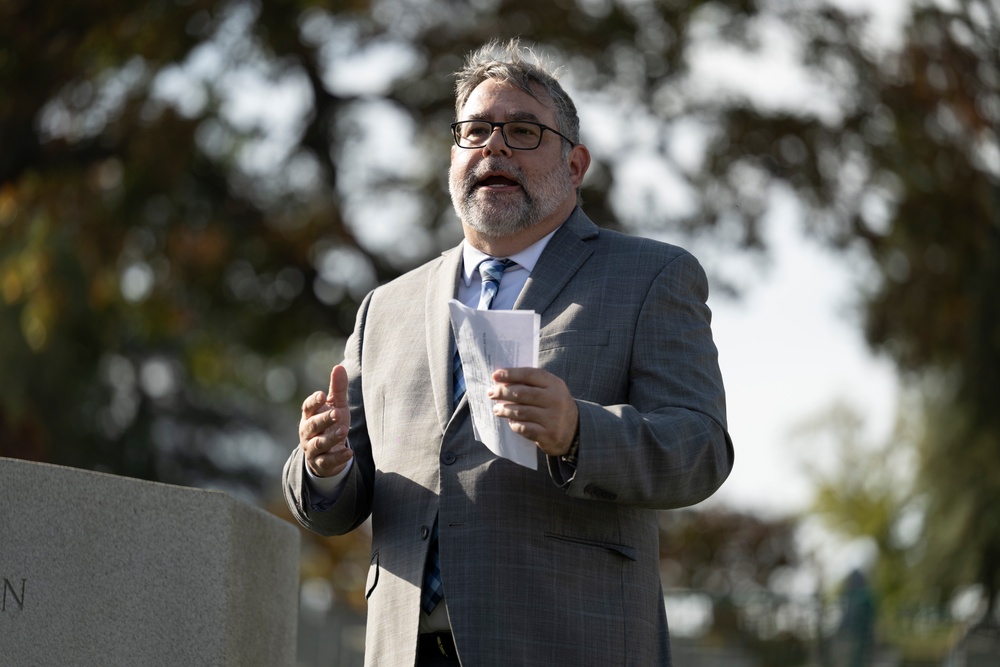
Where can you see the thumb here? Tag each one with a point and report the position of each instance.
(338, 387)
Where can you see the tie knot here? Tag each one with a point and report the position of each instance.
(492, 268)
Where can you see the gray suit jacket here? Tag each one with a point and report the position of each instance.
(539, 568)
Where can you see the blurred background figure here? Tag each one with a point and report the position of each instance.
(853, 645)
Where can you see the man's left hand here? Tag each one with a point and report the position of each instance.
(538, 406)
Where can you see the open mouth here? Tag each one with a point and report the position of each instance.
(497, 182)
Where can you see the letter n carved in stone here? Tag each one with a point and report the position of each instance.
(16, 599)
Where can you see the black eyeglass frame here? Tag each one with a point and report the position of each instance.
(503, 133)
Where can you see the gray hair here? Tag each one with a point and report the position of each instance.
(520, 66)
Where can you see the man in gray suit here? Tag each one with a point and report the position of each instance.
(554, 566)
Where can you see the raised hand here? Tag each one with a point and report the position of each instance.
(326, 419)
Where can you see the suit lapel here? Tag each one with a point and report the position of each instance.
(441, 286)
(563, 256)
(560, 260)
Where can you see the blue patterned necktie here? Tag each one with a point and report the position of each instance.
(491, 271)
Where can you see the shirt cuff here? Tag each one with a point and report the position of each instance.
(324, 491)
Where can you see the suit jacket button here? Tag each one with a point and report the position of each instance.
(425, 532)
(448, 458)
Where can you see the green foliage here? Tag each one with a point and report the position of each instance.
(195, 194)
(867, 491)
(921, 142)
(149, 291)
(191, 193)
(959, 472)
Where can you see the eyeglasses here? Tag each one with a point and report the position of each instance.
(520, 135)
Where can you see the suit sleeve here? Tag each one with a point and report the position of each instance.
(354, 503)
(667, 446)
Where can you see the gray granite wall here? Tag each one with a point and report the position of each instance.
(101, 570)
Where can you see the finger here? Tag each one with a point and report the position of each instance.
(529, 430)
(316, 446)
(536, 433)
(325, 442)
(338, 387)
(318, 424)
(520, 393)
(535, 377)
(331, 462)
(313, 403)
(333, 456)
(516, 412)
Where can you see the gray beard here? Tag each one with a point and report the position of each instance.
(515, 213)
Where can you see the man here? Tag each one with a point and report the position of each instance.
(554, 566)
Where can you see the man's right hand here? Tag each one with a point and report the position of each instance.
(326, 419)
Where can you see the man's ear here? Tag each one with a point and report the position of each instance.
(579, 162)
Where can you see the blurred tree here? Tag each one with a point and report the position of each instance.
(194, 195)
(745, 564)
(909, 172)
(867, 494)
(936, 308)
(183, 248)
(155, 293)
(726, 553)
(191, 200)
(960, 546)
(865, 491)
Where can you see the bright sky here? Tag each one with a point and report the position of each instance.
(790, 348)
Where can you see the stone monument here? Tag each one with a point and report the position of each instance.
(101, 570)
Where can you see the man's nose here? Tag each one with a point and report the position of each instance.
(496, 143)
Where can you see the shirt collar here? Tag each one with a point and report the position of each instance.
(526, 259)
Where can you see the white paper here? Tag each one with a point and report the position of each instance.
(488, 340)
